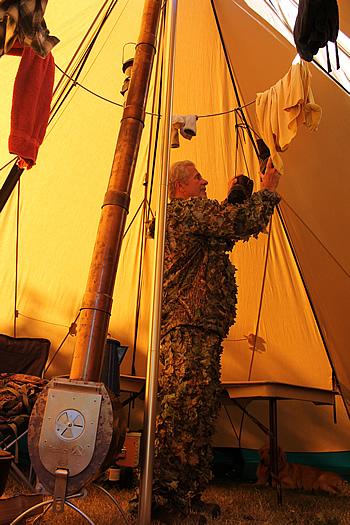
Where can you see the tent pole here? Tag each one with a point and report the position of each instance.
(150, 407)
(97, 301)
(9, 184)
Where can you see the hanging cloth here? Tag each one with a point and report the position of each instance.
(186, 125)
(23, 32)
(23, 19)
(32, 94)
(317, 23)
(282, 108)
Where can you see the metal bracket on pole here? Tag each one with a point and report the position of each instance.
(59, 495)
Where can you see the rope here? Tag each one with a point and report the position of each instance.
(81, 43)
(317, 239)
(232, 424)
(259, 314)
(231, 74)
(40, 320)
(146, 205)
(228, 111)
(320, 330)
(82, 61)
(70, 331)
(9, 162)
(76, 83)
(261, 298)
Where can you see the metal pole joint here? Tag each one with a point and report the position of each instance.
(97, 301)
(135, 112)
(117, 198)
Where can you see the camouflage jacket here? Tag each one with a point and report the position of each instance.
(199, 286)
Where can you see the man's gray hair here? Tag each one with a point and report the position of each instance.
(178, 171)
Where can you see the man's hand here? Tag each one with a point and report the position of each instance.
(271, 177)
(231, 183)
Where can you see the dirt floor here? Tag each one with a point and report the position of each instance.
(240, 503)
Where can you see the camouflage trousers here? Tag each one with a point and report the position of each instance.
(189, 406)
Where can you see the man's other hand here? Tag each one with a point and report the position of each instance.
(271, 177)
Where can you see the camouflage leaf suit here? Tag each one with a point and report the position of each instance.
(199, 306)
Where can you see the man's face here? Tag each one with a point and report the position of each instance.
(196, 185)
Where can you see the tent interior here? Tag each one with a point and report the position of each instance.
(293, 282)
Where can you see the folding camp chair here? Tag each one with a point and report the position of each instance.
(22, 362)
(23, 355)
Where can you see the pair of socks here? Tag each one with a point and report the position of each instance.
(187, 126)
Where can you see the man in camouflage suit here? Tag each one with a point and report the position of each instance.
(199, 306)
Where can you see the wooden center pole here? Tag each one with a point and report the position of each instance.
(97, 301)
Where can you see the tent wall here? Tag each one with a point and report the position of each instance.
(60, 201)
(316, 227)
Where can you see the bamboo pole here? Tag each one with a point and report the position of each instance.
(151, 391)
(97, 301)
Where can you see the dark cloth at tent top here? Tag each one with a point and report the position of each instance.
(317, 23)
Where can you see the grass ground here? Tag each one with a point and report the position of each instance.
(241, 504)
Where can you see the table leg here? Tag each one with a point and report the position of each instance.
(273, 447)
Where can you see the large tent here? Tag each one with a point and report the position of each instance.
(294, 286)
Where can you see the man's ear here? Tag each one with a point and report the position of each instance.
(179, 187)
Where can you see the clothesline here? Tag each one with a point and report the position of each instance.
(75, 83)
